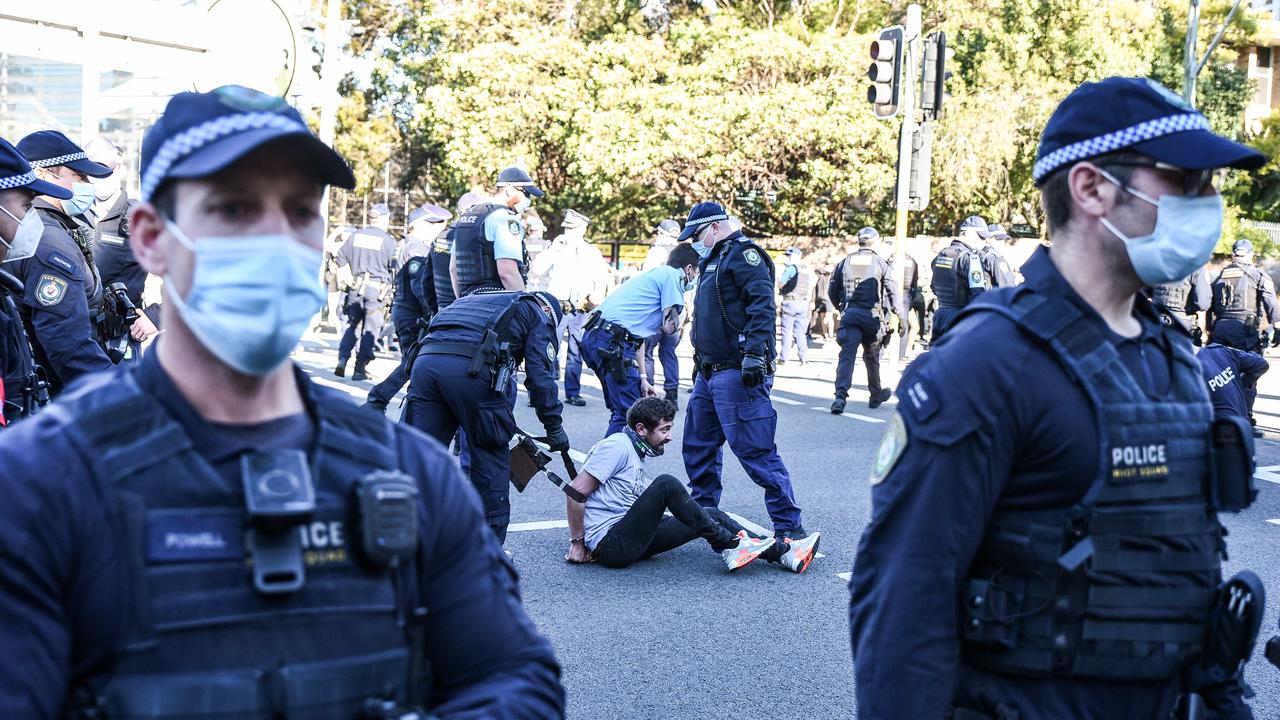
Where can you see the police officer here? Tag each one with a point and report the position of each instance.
(331, 315)
(796, 284)
(275, 551)
(63, 305)
(577, 273)
(21, 388)
(734, 316)
(664, 241)
(1182, 301)
(911, 301)
(863, 288)
(111, 253)
(645, 306)
(1053, 553)
(488, 239)
(958, 274)
(1230, 373)
(414, 301)
(993, 262)
(464, 378)
(1243, 295)
(366, 268)
(438, 283)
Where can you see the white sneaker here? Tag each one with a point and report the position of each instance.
(746, 550)
(800, 552)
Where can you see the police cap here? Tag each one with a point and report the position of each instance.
(50, 148)
(379, 210)
(868, 235)
(429, 213)
(574, 219)
(200, 134)
(668, 227)
(996, 231)
(1242, 247)
(1138, 115)
(701, 214)
(976, 224)
(469, 199)
(517, 178)
(16, 172)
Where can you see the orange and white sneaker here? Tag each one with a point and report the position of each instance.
(800, 552)
(746, 550)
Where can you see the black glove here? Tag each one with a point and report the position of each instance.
(557, 439)
(752, 370)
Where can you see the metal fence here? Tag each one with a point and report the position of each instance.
(1272, 230)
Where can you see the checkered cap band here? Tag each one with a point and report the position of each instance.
(192, 139)
(705, 220)
(1117, 140)
(17, 180)
(522, 183)
(60, 160)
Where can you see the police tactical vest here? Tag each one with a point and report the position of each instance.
(802, 288)
(1173, 296)
(468, 318)
(413, 263)
(477, 266)
(201, 641)
(440, 269)
(1120, 586)
(1235, 293)
(857, 271)
(18, 370)
(945, 283)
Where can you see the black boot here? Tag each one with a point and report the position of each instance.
(359, 374)
(878, 399)
(377, 405)
(837, 406)
(341, 370)
(673, 396)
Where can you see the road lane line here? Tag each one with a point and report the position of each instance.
(786, 401)
(851, 416)
(538, 525)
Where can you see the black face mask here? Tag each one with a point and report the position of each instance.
(642, 446)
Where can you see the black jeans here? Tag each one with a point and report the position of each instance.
(645, 531)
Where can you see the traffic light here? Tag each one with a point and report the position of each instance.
(885, 72)
(934, 74)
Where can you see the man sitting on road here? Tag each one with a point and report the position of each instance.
(623, 519)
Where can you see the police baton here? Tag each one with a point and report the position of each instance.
(527, 460)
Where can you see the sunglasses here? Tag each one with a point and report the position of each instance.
(1193, 182)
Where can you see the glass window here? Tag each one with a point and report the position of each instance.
(38, 94)
(1264, 57)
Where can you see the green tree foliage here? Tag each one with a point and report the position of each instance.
(631, 110)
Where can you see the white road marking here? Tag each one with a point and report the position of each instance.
(786, 401)
(538, 525)
(851, 416)
(1274, 521)
(1270, 473)
(844, 576)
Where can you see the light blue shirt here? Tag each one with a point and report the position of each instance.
(638, 303)
(788, 272)
(506, 232)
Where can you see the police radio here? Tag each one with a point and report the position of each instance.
(387, 514)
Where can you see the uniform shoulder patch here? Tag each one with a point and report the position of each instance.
(50, 290)
(752, 256)
(61, 262)
(414, 266)
(514, 227)
(551, 353)
(891, 448)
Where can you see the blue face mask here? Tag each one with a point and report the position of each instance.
(82, 197)
(1186, 231)
(251, 298)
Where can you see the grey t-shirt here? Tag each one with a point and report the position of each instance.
(620, 469)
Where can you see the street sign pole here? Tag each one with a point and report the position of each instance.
(907, 101)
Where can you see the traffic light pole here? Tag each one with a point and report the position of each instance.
(908, 99)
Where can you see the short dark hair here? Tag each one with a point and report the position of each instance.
(683, 254)
(165, 199)
(650, 412)
(1055, 195)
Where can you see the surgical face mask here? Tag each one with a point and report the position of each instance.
(82, 197)
(105, 187)
(1186, 231)
(523, 202)
(699, 246)
(26, 238)
(690, 282)
(251, 298)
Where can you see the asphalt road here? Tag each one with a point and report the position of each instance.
(679, 637)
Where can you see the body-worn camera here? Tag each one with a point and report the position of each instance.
(279, 495)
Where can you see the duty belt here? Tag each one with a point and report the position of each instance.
(709, 369)
(596, 321)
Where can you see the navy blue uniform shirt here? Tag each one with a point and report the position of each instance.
(996, 423)
(59, 287)
(878, 288)
(734, 310)
(112, 254)
(1226, 369)
(411, 299)
(65, 604)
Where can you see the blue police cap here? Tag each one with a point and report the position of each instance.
(550, 305)
(517, 178)
(701, 214)
(1139, 115)
(50, 148)
(16, 172)
(429, 213)
(996, 231)
(468, 200)
(1242, 247)
(200, 134)
(668, 227)
(574, 219)
(868, 235)
(975, 223)
(379, 210)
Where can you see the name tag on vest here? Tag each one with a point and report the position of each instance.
(194, 538)
(116, 240)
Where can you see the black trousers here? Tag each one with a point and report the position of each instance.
(646, 531)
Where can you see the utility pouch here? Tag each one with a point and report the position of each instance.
(1232, 632)
(1231, 484)
(387, 515)
(488, 348)
(279, 496)
(986, 606)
